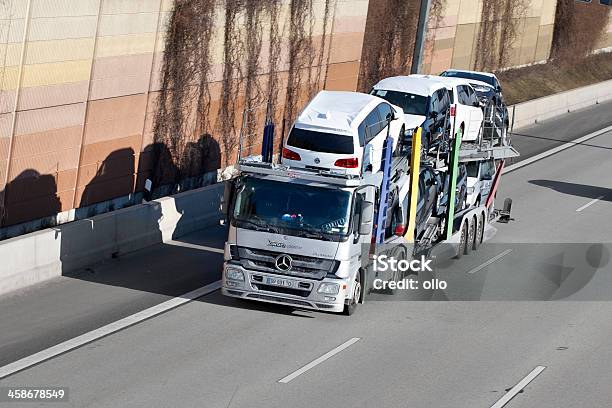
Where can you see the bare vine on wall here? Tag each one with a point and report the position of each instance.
(274, 52)
(184, 97)
(300, 46)
(500, 23)
(184, 112)
(389, 39)
(578, 29)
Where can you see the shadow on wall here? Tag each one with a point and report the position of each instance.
(198, 167)
(114, 177)
(31, 201)
(28, 196)
(86, 243)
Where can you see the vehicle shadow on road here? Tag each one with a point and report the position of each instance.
(578, 190)
(560, 141)
(217, 298)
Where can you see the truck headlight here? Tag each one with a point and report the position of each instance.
(329, 288)
(234, 274)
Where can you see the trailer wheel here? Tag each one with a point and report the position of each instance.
(463, 241)
(480, 222)
(351, 306)
(471, 236)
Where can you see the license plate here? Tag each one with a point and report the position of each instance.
(279, 282)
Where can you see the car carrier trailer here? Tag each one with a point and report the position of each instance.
(306, 237)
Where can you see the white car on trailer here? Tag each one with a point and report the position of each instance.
(343, 132)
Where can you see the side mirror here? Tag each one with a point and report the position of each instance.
(227, 197)
(499, 88)
(481, 104)
(367, 218)
(477, 104)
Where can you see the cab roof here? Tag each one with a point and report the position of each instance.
(337, 109)
(417, 85)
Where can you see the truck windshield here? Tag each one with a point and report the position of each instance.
(411, 104)
(292, 209)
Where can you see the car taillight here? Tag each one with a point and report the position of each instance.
(351, 163)
(290, 154)
(400, 230)
(452, 110)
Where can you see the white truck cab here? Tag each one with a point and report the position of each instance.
(297, 237)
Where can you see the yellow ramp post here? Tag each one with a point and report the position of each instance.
(415, 164)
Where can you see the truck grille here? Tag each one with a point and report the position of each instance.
(302, 266)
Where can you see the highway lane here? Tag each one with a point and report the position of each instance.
(290, 339)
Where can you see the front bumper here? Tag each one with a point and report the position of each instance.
(303, 292)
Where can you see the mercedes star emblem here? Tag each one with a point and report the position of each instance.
(284, 263)
(317, 160)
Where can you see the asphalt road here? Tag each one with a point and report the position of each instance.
(218, 352)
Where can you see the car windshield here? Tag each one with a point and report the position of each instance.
(292, 209)
(320, 141)
(411, 104)
(469, 75)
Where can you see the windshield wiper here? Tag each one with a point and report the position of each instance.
(311, 231)
(314, 235)
(258, 226)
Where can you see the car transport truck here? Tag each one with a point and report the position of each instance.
(305, 237)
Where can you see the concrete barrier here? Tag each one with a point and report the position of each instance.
(548, 107)
(41, 255)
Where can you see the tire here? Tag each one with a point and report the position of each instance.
(470, 236)
(463, 242)
(398, 253)
(350, 308)
(479, 237)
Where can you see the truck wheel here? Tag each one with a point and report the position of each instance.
(463, 241)
(479, 231)
(470, 236)
(350, 308)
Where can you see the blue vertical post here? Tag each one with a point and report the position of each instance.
(381, 214)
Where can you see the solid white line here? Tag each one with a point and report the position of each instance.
(557, 149)
(490, 261)
(319, 360)
(518, 387)
(194, 246)
(590, 203)
(110, 328)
